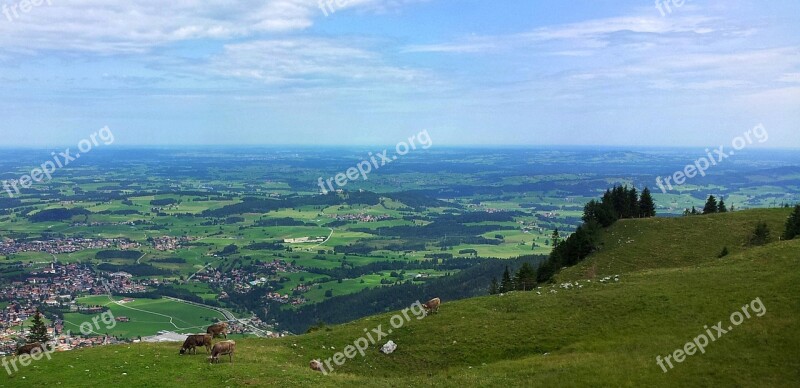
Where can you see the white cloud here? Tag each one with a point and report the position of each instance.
(685, 51)
(589, 34)
(703, 85)
(602, 28)
(306, 61)
(135, 26)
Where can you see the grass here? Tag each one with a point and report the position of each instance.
(631, 245)
(147, 316)
(606, 334)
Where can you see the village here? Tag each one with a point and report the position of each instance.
(57, 286)
(64, 245)
(242, 281)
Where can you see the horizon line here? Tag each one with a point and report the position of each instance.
(352, 146)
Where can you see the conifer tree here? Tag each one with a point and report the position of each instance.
(792, 225)
(711, 205)
(632, 203)
(525, 278)
(647, 207)
(494, 287)
(556, 238)
(721, 208)
(38, 329)
(506, 284)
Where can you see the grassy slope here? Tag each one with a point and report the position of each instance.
(632, 245)
(602, 334)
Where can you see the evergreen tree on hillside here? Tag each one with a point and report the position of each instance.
(618, 202)
(546, 269)
(721, 208)
(760, 234)
(556, 238)
(494, 288)
(621, 201)
(647, 207)
(525, 278)
(599, 212)
(792, 225)
(38, 329)
(694, 211)
(578, 245)
(608, 199)
(711, 205)
(506, 284)
(632, 203)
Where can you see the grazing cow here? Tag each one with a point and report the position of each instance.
(218, 329)
(29, 348)
(195, 340)
(222, 348)
(432, 305)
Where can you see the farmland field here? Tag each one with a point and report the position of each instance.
(147, 316)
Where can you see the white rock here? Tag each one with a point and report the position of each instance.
(389, 347)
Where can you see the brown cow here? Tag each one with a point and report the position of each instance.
(218, 329)
(29, 348)
(222, 348)
(432, 305)
(195, 340)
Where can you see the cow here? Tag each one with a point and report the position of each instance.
(218, 329)
(432, 305)
(29, 348)
(195, 340)
(220, 349)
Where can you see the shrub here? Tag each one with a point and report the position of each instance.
(723, 253)
(760, 234)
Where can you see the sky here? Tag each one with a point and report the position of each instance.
(365, 72)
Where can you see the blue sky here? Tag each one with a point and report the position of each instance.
(512, 72)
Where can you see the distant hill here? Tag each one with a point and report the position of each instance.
(670, 286)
